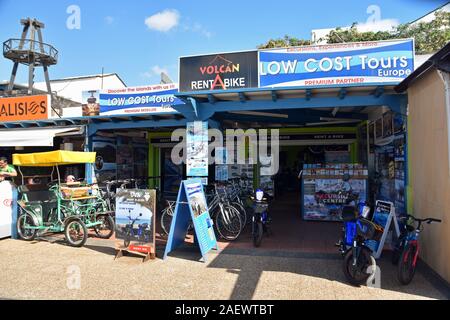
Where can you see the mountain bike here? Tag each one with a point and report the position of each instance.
(406, 251)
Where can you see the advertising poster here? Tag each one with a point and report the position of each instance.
(221, 168)
(134, 100)
(358, 63)
(6, 199)
(200, 215)
(219, 71)
(197, 149)
(324, 198)
(105, 161)
(90, 103)
(25, 108)
(125, 161)
(135, 220)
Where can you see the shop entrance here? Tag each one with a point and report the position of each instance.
(324, 165)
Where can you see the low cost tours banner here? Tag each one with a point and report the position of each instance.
(134, 100)
(219, 71)
(358, 63)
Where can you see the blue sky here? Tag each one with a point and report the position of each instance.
(139, 38)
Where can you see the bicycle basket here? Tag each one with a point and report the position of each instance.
(349, 213)
(369, 230)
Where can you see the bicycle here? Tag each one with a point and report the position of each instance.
(406, 251)
(110, 193)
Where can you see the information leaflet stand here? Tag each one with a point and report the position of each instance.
(385, 215)
(191, 205)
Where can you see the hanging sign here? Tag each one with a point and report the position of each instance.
(134, 100)
(192, 206)
(219, 71)
(197, 149)
(354, 63)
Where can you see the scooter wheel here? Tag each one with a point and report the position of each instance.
(359, 274)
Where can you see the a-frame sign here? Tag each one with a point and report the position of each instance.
(191, 206)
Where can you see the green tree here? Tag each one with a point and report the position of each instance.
(429, 36)
(287, 41)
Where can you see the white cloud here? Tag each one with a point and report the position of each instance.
(163, 21)
(198, 28)
(109, 20)
(155, 71)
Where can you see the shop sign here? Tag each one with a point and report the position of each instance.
(219, 71)
(134, 100)
(319, 136)
(135, 220)
(24, 108)
(337, 65)
(197, 149)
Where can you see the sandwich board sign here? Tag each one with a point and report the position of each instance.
(191, 206)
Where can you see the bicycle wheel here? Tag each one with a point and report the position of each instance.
(406, 265)
(166, 220)
(24, 222)
(228, 222)
(242, 212)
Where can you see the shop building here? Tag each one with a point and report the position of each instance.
(335, 107)
(428, 90)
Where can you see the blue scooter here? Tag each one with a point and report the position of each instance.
(143, 232)
(260, 218)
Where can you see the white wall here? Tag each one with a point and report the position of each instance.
(72, 88)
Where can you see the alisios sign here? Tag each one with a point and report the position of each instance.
(24, 108)
(356, 63)
(134, 100)
(222, 71)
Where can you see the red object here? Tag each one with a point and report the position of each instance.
(140, 249)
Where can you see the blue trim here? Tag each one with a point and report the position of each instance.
(143, 124)
(15, 213)
(193, 103)
(265, 89)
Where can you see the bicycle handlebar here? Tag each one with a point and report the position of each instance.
(426, 220)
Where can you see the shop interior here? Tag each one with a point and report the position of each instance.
(356, 157)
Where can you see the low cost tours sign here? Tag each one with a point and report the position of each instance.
(24, 108)
(219, 71)
(362, 63)
(134, 100)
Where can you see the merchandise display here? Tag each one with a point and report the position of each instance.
(329, 187)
